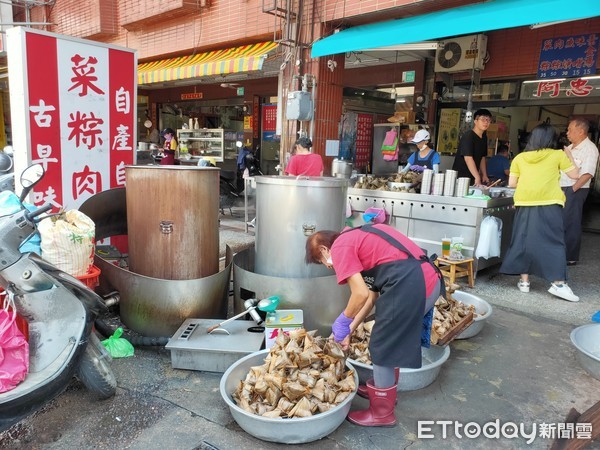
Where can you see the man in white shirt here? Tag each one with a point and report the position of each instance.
(585, 156)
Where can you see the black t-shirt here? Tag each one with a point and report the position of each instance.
(470, 145)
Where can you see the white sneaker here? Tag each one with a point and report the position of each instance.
(523, 286)
(563, 291)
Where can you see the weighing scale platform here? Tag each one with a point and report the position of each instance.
(193, 348)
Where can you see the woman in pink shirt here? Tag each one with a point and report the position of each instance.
(304, 162)
(385, 268)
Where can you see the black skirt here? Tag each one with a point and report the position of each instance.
(537, 246)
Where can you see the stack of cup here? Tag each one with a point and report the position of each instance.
(462, 186)
(450, 182)
(426, 181)
(438, 184)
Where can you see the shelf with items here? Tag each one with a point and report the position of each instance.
(205, 142)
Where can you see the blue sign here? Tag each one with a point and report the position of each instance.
(270, 136)
(569, 56)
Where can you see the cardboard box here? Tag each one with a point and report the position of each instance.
(283, 320)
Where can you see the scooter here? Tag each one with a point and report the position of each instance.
(7, 175)
(60, 311)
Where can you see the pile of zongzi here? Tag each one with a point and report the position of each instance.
(303, 375)
(448, 312)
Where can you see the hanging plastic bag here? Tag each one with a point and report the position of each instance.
(490, 234)
(14, 349)
(497, 238)
(68, 242)
(117, 346)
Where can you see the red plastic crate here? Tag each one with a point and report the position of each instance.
(91, 279)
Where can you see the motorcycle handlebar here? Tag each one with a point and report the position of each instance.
(41, 210)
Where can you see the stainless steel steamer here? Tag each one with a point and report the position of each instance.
(288, 210)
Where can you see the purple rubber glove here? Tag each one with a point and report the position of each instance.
(341, 327)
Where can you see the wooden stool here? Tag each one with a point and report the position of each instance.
(456, 268)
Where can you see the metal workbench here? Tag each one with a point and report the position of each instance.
(426, 219)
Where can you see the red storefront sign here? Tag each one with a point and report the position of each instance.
(364, 140)
(73, 109)
(269, 117)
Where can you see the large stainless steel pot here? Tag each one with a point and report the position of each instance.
(288, 210)
(341, 168)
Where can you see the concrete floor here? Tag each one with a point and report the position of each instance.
(521, 368)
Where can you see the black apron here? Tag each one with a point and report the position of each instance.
(396, 336)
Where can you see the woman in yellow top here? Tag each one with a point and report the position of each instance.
(537, 246)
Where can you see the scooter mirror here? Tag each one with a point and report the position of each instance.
(32, 175)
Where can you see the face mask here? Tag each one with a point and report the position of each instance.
(329, 261)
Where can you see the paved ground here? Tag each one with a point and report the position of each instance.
(521, 368)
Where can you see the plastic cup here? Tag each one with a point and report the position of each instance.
(446, 247)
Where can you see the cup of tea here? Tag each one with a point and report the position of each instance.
(446, 247)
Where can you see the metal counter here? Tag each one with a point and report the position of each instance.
(426, 219)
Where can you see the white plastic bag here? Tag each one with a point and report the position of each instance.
(490, 234)
(68, 242)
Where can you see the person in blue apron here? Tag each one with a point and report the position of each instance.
(424, 156)
(382, 267)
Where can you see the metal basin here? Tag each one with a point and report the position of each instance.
(586, 340)
(286, 431)
(412, 379)
(482, 308)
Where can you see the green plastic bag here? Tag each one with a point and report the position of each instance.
(117, 346)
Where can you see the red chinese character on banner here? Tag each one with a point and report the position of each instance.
(84, 75)
(547, 45)
(548, 86)
(84, 129)
(86, 181)
(579, 88)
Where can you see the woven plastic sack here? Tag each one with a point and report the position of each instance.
(68, 242)
(14, 352)
(117, 346)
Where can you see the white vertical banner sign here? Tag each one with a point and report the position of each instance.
(73, 106)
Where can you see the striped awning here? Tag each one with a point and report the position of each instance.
(232, 60)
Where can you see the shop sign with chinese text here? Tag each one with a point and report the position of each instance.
(573, 88)
(569, 56)
(73, 109)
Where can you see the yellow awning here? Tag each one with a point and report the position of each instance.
(231, 60)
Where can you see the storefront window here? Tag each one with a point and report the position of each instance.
(485, 92)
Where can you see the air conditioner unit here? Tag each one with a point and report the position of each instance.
(461, 53)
